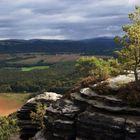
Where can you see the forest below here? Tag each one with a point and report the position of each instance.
(36, 72)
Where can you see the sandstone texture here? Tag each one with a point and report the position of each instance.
(86, 115)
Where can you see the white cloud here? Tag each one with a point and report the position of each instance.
(63, 19)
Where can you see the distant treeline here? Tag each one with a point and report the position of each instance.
(97, 46)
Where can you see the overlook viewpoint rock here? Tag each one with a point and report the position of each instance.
(89, 115)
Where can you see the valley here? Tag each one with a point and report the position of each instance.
(34, 72)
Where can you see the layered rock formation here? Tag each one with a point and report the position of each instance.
(29, 129)
(89, 115)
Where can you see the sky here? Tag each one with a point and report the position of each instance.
(63, 19)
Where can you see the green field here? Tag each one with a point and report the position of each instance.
(34, 68)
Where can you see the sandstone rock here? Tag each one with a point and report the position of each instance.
(97, 126)
(86, 115)
(118, 81)
(29, 129)
(60, 120)
(39, 136)
(49, 96)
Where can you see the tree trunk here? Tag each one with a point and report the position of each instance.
(136, 75)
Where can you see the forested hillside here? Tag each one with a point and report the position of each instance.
(97, 46)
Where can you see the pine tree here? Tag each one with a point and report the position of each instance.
(129, 56)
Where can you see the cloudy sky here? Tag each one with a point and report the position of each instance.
(63, 19)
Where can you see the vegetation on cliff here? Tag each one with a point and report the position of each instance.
(38, 116)
(8, 127)
(98, 67)
(129, 56)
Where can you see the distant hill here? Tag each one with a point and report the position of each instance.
(96, 46)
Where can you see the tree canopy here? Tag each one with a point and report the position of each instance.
(129, 56)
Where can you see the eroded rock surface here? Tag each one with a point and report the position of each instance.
(29, 129)
(87, 115)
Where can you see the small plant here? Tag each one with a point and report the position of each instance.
(38, 116)
(8, 127)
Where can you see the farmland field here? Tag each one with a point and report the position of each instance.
(34, 68)
(36, 58)
(11, 102)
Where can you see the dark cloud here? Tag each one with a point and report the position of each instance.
(63, 19)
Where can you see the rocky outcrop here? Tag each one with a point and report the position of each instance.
(90, 114)
(29, 129)
(87, 115)
(60, 120)
(39, 135)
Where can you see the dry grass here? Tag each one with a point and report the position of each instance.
(11, 102)
(130, 93)
(52, 58)
(35, 58)
(85, 82)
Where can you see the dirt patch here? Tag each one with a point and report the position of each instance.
(8, 106)
(10, 103)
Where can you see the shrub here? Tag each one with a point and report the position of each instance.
(8, 127)
(38, 116)
(98, 67)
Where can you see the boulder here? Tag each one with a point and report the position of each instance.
(29, 129)
(86, 114)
